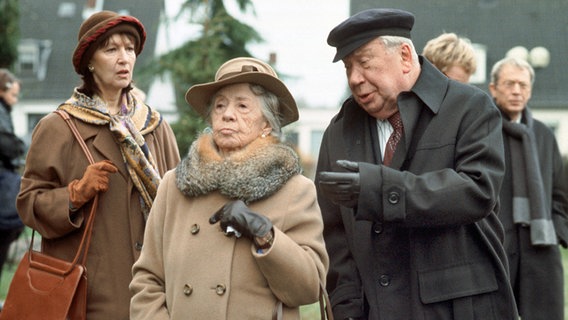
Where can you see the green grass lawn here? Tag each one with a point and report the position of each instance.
(7, 274)
(310, 312)
(565, 263)
(17, 250)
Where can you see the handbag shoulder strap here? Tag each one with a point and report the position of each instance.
(76, 133)
(86, 238)
(325, 304)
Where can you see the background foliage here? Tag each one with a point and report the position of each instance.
(9, 32)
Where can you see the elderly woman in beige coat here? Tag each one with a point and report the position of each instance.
(235, 232)
(132, 147)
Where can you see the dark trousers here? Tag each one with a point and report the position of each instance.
(537, 279)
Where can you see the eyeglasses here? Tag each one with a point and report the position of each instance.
(509, 84)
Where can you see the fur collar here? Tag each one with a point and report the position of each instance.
(253, 173)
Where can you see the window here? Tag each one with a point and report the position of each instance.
(315, 142)
(291, 137)
(33, 55)
(66, 10)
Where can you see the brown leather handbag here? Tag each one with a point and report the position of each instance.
(46, 287)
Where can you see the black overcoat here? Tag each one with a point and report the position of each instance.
(536, 271)
(426, 242)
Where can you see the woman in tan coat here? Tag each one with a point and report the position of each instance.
(132, 147)
(236, 231)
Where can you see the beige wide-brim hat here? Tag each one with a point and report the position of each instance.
(244, 70)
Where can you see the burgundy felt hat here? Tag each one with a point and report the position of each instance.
(99, 26)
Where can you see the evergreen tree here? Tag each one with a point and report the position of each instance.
(222, 37)
(9, 32)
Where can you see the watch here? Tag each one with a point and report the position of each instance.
(264, 242)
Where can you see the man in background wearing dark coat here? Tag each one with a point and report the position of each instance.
(410, 226)
(12, 150)
(533, 196)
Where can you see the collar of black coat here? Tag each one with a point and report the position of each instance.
(431, 86)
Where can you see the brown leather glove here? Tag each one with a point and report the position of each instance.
(95, 180)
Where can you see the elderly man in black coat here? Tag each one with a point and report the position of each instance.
(410, 220)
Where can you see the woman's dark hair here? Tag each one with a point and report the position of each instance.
(89, 86)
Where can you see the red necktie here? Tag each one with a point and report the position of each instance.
(394, 138)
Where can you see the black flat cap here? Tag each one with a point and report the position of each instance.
(366, 26)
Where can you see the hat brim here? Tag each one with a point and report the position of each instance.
(199, 96)
(357, 41)
(344, 51)
(100, 29)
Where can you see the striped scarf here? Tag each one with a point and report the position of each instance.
(529, 204)
(128, 127)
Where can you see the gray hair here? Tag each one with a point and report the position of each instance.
(496, 70)
(393, 42)
(269, 106)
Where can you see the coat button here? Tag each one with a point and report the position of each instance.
(187, 290)
(384, 280)
(138, 246)
(378, 228)
(394, 197)
(220, 289)
(195, 229)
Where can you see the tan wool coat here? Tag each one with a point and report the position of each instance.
(189, 269)
(53, 161)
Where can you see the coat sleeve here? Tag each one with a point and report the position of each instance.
(53, 161)
(148, 283)
(11, 147)
(459, 157)
(298, 249)
(343, 280)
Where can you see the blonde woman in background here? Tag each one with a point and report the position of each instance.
(453, 55)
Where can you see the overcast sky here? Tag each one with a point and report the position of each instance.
(296, 30)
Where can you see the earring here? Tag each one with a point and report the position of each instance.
(263, 135)
(91, 68)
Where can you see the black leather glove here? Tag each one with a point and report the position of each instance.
(236, 215)
(342, 188)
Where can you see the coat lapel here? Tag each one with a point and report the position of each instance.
(103, 143)
(410, 109)
(361, 142)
